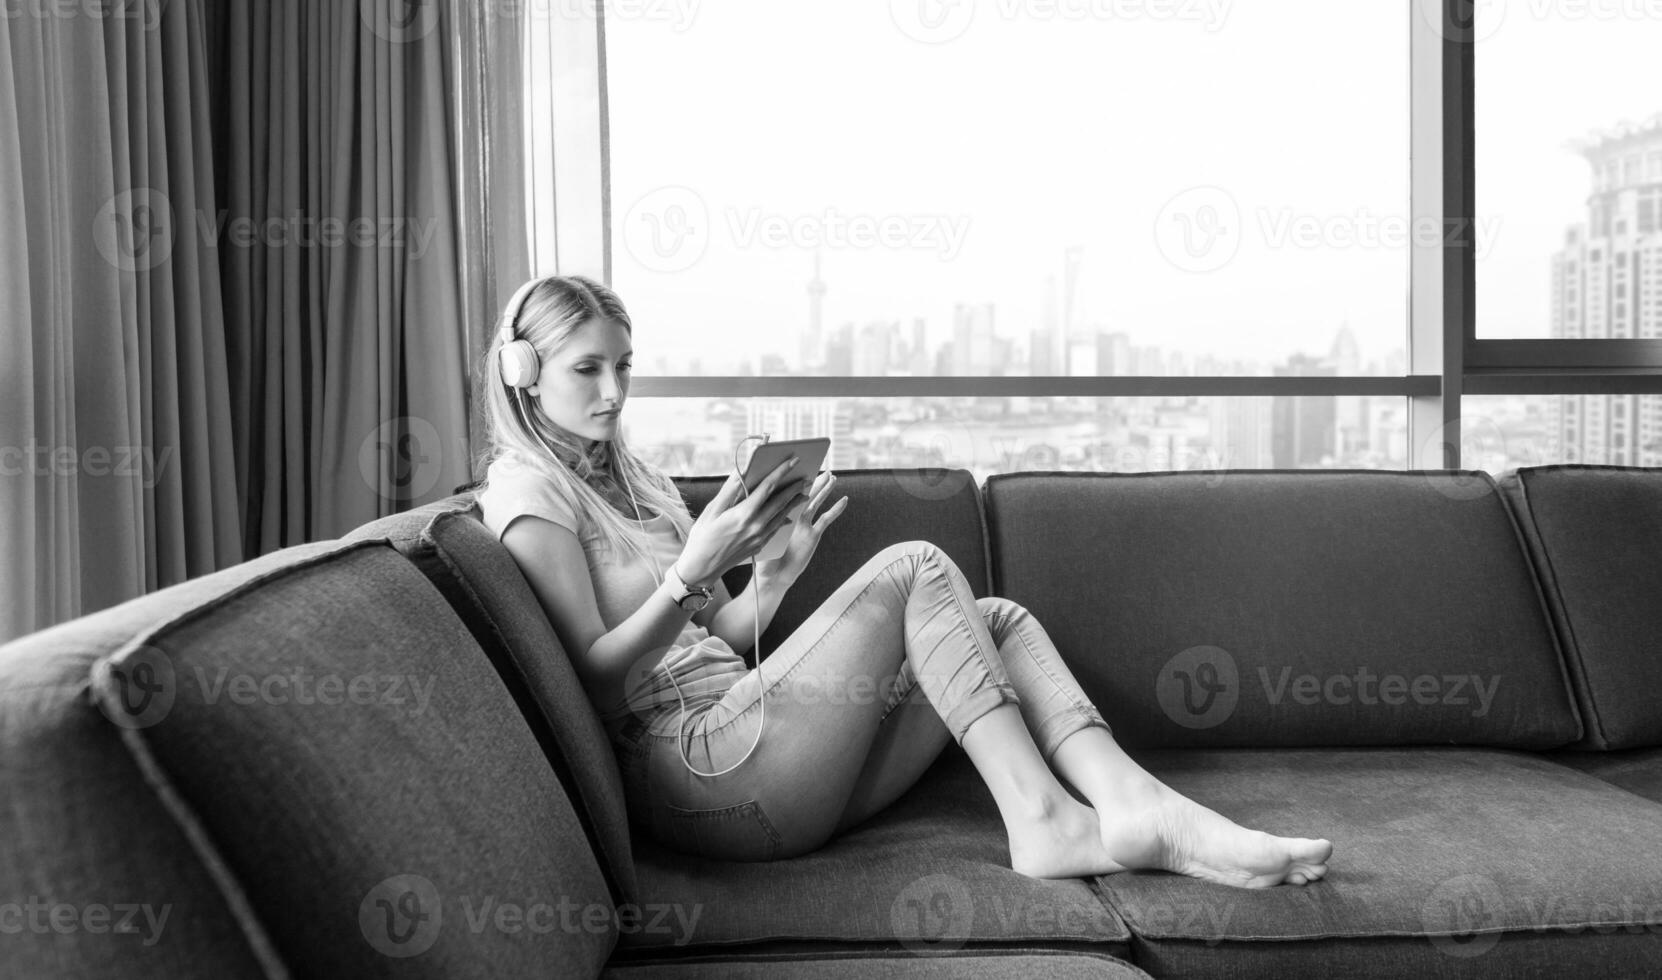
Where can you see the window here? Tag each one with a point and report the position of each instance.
(833, 203)
(839, 189)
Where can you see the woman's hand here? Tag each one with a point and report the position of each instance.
(804, 535)
(730, 529)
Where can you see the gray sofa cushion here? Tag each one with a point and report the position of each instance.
(483, 584)
(886, 506)
(1639, 771)
(930, 873)
(81, 829)
(1445, 860)
(1265, 608)
(336, 743)
(1596, 532)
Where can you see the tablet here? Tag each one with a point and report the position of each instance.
(764, 459)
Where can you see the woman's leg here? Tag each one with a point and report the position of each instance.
(910, 737)
(827, 690)
(1142, 822)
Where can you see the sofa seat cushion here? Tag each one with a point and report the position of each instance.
(1596, 532)
(969, 964)
(483, 585)
(340, 751)
(1444, 859)
(1256, 609)
(931, 872)
(1639, 771)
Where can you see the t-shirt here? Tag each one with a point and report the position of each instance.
(704, 665)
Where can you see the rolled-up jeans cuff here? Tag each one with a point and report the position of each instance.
(968, 711)
(1058, 727)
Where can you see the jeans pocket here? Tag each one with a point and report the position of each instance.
(741, 832)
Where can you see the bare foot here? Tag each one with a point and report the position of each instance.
(1171, 832)
(1065, 843)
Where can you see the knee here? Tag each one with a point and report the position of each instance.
(997, 610)
(902, 549)
(997, 604)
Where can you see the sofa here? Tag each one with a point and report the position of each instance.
(371, 757)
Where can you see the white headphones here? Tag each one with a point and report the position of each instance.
(519, 367)
(517, 361)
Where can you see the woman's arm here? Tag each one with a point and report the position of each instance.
(553, 561)
(736, 620)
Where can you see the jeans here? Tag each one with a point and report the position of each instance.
(861, 699)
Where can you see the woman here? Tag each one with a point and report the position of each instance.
(771, 762)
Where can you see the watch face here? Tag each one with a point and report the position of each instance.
(694, 601)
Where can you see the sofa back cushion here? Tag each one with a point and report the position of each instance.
(104, 881)
(341, 753)
(1246, 608)
(1596, 533)
(886, 506)
(479, 578)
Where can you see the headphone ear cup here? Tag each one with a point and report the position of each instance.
(519, 364)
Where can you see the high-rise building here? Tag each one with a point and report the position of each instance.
(1071, 258)
(1302, 427)
(1048, 345)
(874, 348)
(973, 349)
(813, 341)
(917, 356)
(1240, 432)
(1350, 414)
(839, 352)
(801, 418)
(1607, 283)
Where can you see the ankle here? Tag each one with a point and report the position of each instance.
(1041, 809)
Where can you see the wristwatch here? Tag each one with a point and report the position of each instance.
(690, 597)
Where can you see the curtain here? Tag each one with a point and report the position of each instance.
(253, 251)
(116, 463)
(345, 304)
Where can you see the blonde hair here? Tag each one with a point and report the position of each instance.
(518, 432)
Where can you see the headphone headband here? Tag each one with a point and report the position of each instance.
(516, 305)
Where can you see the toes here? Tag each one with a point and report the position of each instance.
(1311, 851)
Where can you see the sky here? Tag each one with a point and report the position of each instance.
(1236, 173)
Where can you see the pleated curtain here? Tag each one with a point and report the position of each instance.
(343, 303)
(117, 471)
(252, 251)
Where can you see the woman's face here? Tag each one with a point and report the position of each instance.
(588, 376)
